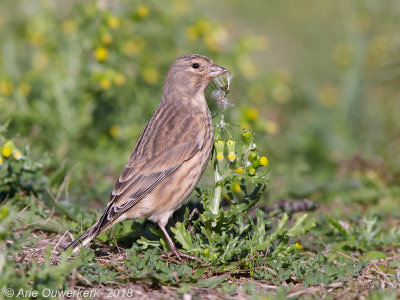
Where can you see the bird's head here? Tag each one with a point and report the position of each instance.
(190, 74)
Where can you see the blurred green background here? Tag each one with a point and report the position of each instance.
(318, 81)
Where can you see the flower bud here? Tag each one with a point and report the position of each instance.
(239, 170)
(235, 187)
(231, 150)
(219, 149)
(4, 212)
(256, 163)
(251, 170)
(247, 137)
(252, 156)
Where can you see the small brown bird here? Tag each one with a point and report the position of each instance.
(170, 155)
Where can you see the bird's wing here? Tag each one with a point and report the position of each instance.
(170, 138)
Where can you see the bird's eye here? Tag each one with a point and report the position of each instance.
(195, 66)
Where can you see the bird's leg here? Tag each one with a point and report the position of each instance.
(194, 211)
(171, 243)
(173, 248)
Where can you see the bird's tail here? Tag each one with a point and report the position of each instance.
(101, 225)
(82, 241)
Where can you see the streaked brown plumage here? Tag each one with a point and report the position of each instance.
(170, 155)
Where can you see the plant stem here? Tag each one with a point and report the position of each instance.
(217, 191)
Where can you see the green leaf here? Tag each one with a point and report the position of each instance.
(212, 282)
(281, 224)
(182, 236)
(198, 273)
(373, 254)
(300, 227)
(184, 288)
(337, 225)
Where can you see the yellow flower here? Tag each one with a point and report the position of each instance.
(133, 46)
(220, 157)
(251, 114)
(119, 79)
(150, 75)
(6, 151)
(236, 187)
(24, 88)
(232, 156)
(106, 39)
(203, 27)
(68, 27)
(239, 170)
(101, 53)
(105, 83)
(1, 161)
(142, 11)
(191, 33)
(264, 161)
(114, 131)
(298, 245)
(6, 88)
(113, 22)
(216, 40)
(17, 155)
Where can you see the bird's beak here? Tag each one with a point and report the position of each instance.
(216, 70)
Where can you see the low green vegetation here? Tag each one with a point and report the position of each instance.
(232, 243)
